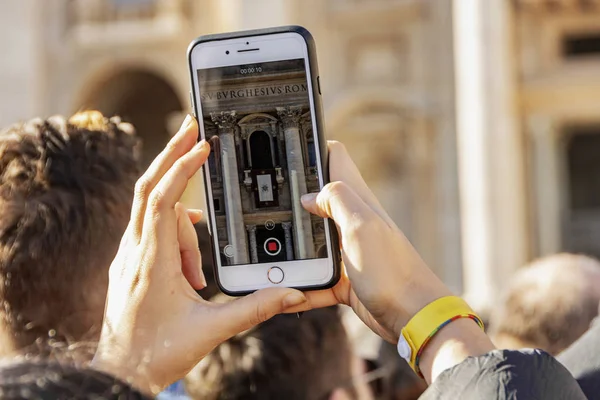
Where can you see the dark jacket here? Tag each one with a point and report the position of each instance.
(582, 359)
(506, 375)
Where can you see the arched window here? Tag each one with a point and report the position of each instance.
(142, 98)
(261, 151)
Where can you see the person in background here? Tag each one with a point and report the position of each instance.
(582, 361)
(549, 304)
(66, 189)
(286, 357)
(44, 379)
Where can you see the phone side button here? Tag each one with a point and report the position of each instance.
(275, 275)
(319, 84)
(192, 104)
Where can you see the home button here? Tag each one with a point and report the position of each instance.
(275, 275)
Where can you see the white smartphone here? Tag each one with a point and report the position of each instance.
(256, 95)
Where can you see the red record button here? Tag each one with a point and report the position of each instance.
(272, 246)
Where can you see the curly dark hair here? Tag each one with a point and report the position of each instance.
(66, 188)
(51, 380)
(285, 357)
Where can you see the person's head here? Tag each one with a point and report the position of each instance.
(50, 380)
(549, 304)
(66, 189)
(284, 358)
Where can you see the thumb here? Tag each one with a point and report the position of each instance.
(249, 311)
(339, 202)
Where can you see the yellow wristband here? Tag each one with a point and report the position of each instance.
(427, 322)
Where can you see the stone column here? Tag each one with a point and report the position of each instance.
(448, 239)
(490, 149)
(236, 233)
(547, 164)
(252, 239)
(303, 243)
(289, 246)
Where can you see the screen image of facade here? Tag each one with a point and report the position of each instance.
(257, 119)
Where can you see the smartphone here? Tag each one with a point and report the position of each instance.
(257, 98)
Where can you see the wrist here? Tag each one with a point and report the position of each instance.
(414, 297)
(455, 342)
(430, 323)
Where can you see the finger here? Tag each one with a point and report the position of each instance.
(251, 310)
(329, 297)
(343, 169)
(339, 294)
(195, 215)
(316, 299)
(160, 212)
(179, 145)
(339, 202)
(191, 259)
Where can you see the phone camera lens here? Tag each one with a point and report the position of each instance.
(247, 42)
(227, 52)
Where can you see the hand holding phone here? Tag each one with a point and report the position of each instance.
(156, 327)
(385, 280)
(257, 97)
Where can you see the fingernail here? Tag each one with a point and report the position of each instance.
(195, 215)
(203, 278)
(293, 299)
(187, 121)
(308, 198)
(201, 145)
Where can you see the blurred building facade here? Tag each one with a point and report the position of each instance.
(475, 122)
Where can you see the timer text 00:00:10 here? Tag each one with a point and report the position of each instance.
(250, 70)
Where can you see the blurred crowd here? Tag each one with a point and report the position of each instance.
(66, 191)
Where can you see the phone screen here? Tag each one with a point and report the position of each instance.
(257, 119)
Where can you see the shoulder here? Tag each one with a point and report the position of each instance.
(506, 374)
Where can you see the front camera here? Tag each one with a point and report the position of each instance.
(227, 52)
(247, 42)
